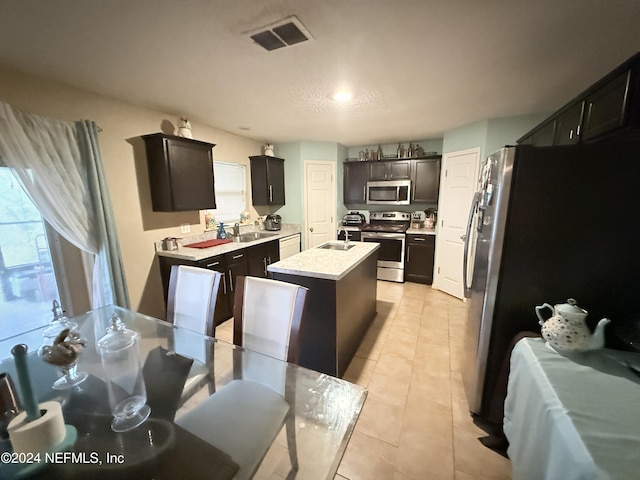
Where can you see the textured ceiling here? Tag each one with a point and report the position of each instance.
(416, 68)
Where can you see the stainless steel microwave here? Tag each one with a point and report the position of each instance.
(389, 192)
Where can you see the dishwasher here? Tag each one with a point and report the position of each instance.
(289, 246)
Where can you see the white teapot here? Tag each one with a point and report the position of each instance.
(567, 331)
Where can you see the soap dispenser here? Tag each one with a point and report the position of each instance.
(222, 234)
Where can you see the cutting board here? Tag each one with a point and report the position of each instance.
(208, 243)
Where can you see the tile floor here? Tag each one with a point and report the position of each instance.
(415, 423)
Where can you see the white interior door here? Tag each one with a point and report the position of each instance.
(459, 180)
(320, 202)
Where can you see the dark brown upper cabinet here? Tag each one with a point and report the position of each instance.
(424, 173)
(392, 170)
(355, 177)
(606, 108)
(609, 108)
(425, 180)
(267, 180)
(180, 173)
(568, 125)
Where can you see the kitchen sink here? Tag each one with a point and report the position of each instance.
(251, 236)
(337, 246)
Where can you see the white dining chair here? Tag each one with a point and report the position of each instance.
(191, 303)
(244, 417)
(191, 300)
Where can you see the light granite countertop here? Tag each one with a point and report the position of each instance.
(422, 231)
(413, 231)
(197, 254)
(325, 263)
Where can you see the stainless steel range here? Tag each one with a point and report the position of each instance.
(388, 229)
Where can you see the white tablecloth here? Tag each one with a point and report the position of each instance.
(574, 417)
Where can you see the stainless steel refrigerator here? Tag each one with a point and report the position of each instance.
(546, 224)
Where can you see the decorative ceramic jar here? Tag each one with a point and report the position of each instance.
(567, 331)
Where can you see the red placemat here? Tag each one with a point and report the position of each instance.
(208, 243)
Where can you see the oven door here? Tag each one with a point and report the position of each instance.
(391, 252)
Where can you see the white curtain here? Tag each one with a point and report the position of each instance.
(59, 165)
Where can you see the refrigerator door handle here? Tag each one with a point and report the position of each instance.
(465, 257)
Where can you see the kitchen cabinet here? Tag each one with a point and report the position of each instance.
(235, 264)
(423, 172)
(425, 180)
(605, 109)
(267, 180)
(392, 170)
(180, 173)
(419, 258)
(543, 136)
(567, 125)
(224, 300)
(610, 107)
(260, 256)
(252, 260)
(355, 179)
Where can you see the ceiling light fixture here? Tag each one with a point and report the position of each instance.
(342, 96)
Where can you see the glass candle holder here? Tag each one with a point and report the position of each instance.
(61, 348)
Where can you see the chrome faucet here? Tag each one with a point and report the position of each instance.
(236, 230)
(346, 234)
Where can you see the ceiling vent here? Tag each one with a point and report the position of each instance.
(284, 33)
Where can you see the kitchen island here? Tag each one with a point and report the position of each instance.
(341, 302)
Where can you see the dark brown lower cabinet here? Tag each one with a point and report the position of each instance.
(223, 304)
(419, 258)
(252, 261)
(260, 256)
(236, 264)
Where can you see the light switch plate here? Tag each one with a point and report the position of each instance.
(185, 228)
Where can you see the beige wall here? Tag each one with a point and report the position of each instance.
(125, 168)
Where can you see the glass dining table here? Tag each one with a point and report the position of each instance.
(182, 369)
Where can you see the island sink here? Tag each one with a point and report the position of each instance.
(337, 246)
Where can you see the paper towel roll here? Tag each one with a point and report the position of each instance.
(40, 435)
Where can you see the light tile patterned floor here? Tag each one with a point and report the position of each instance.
(415, 424)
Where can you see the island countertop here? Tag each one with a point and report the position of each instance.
(325, 263)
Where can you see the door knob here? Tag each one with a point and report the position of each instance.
(311, 229)
(463, 237)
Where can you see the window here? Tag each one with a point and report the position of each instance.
(27, 279)
(231, 191)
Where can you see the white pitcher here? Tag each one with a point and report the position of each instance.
(567, 331)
